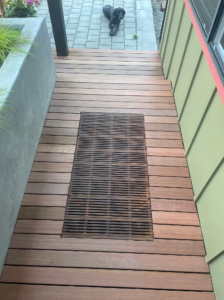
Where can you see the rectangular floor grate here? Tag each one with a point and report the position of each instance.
(109, 188)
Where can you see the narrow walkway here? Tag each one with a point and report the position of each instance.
(41, 265)
(87, 27)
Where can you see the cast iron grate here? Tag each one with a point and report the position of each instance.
(109, 188)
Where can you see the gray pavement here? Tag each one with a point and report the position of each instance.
(87, 27)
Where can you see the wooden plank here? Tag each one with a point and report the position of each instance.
(110, 63)
(42, 213)
(44, 200)
(110, 79)
(171, 193)
(110, 70)
(168, 171)
(59, 123)
(173, 205)
(175, 218)
(162, 127)
(52, 167)
(59, 116)
(107, 104)
(60, 131)
(158, 246)
(69, 117)
(163, 135)
(167, 161)
(110, 98)
(170, 182)
(107, 278)
(55, 139)
(161, 120)
(111, 86)
(102, 260)
(54, 157)
(162, 143)
(109, 51)
(177, 232)
(165, 152)
(49, 177)
(56, 148)
(113, 92)
(156, 59)
(75, 110)
(44, 292)
(47, 188)
(38, 226)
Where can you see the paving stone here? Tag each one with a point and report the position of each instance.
(147, 46)
(79, 46)
(92, 38)
(104, 47)
(144, 14)
(106, 42)
(94, 26)
(119, 46)
(130, 43)
(129, 36)
(76, 10)
(81, 35)
(146, 25)
(82, 29)
(71, 26)
(80, 41)
(146, 36)
(94, 32)
(143, 5)
(92, 45)
(104, 35)
(130, 47)
(71, 37)
(129, 25)
(72, 20)
(118, 39)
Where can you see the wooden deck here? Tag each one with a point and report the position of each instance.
(43, 266)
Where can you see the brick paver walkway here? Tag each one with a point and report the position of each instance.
(87, 27)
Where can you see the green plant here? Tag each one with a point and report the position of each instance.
(135, 36)
(20, 8)
(10, 40)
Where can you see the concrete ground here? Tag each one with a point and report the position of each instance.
(87, 27)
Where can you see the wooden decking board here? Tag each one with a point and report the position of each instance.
(107, 278)
(157, 170)
(107, 70)
(103, 260)
(51, 167)
(159, 246)
(44, 292)
(42, 265)
(96, 104)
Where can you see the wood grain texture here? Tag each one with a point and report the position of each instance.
(52, 167)
(44, 200)
(107, 278)
(173, 205)
(44, 292)
(102, 260)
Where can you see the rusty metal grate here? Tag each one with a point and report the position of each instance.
(109, 189)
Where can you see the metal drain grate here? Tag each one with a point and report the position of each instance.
(109, 189)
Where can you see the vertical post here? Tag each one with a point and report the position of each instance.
(2, 9)
(58, 26)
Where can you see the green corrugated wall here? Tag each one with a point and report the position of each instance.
(201, 118)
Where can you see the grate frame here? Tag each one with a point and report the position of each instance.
(109, 187)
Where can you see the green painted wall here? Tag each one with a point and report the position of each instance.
(201, 118)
